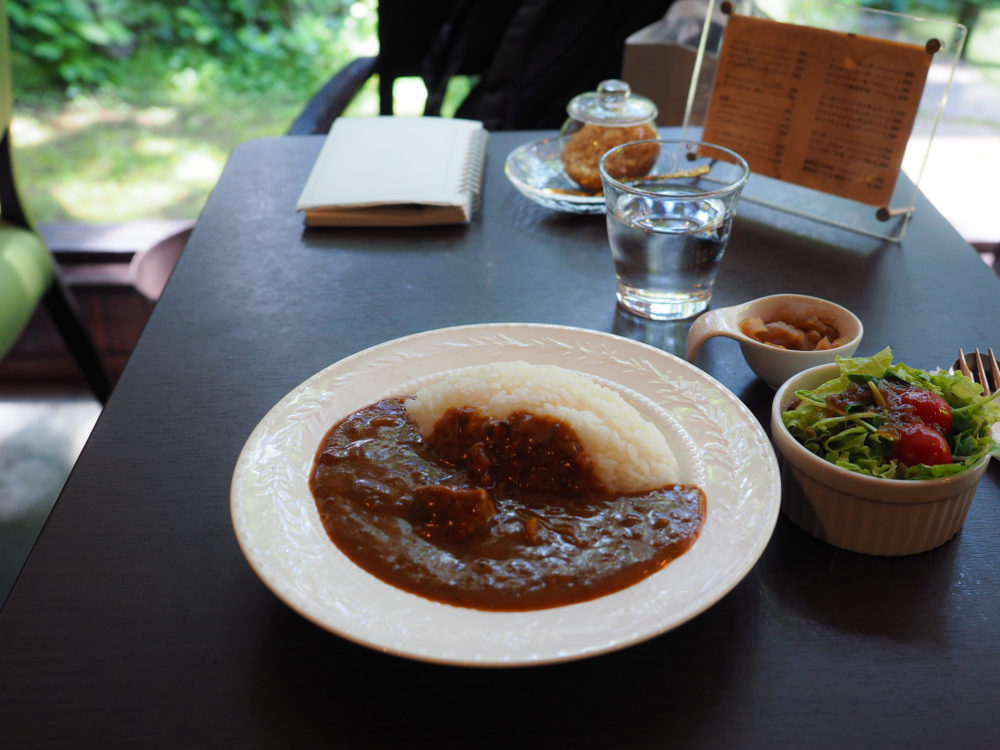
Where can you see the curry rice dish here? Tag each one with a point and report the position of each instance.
(505, 487)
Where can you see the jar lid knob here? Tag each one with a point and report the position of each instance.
(613, 104)
(613, 94)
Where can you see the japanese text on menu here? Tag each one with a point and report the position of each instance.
(819, 108)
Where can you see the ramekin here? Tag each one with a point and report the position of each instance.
(861, 513)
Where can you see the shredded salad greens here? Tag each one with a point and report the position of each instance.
(853, 440)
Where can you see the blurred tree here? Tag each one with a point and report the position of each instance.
(82, 42)
(965, 12)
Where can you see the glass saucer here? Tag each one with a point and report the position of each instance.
(536, 170)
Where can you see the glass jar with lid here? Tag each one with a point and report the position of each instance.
(600, 120)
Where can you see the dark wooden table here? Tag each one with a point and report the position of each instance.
(138, 623)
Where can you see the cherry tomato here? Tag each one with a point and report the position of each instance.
(921, 444)
(930, 407)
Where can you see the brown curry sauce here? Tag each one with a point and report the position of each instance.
(494, 515)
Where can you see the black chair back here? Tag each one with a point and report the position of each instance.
(529, 57)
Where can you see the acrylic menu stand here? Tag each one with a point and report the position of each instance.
(942, 41)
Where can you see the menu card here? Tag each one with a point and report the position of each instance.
(824, 109)
(396, 171)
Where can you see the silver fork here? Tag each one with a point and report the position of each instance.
(979, 374)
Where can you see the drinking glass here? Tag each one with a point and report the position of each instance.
(670, 207)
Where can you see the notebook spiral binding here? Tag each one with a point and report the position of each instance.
(475, 163)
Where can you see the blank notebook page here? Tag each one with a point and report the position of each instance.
(391, 160)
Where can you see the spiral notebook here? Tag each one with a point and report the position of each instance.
(396, 172)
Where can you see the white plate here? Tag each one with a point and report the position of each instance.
(718, 443)
(536, 170)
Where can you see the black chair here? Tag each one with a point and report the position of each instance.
(29, 276)
(530, 57)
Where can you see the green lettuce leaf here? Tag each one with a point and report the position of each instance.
(866, 367)
(854, 442)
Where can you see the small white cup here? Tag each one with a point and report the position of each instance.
(773, 364)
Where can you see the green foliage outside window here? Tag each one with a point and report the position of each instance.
(88, 43)
(950, 9)
(965, 12)
(127, 109)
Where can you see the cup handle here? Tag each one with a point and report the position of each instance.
(705, 326)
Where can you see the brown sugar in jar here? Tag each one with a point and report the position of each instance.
(598, 122)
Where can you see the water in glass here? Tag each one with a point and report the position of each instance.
(667, 252)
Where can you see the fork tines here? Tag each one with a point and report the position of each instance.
(980, 375)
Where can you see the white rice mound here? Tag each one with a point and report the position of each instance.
(631, 454)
